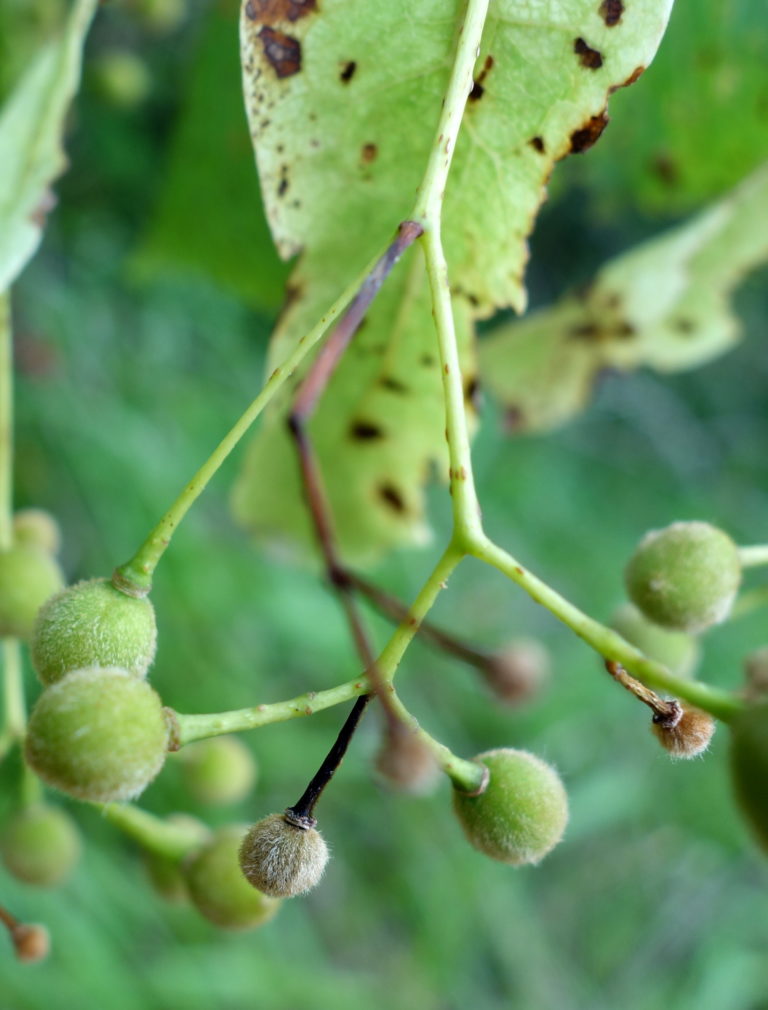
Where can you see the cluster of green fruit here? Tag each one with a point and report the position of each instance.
(100, 733)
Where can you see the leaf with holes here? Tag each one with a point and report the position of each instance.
(31, 127)
(665, 304)
(343, 99)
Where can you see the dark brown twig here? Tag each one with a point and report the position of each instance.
(666, 713)
(310, 391)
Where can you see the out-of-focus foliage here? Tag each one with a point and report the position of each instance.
(665, 304)
(31, 125)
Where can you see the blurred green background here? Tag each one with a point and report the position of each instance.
(140, 335)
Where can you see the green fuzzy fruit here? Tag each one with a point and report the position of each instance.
(523, 812)
(40, 845)
(217, 771)
(685, 576)
(122, 77)
(28, 577)
(98, 734)
(749, 767)
(218, 888)
(37, 528)
(282, 857)
(677, 650)
(93, 624)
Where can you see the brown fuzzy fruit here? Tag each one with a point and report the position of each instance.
(281, 857)
(686, 733)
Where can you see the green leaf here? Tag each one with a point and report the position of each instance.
(343, 99)
(32, 123)
(664, 304)
(209, 216)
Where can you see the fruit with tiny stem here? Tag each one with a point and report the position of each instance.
(98, 734)
(31, 942)
(93, 624)
(683, 732)
(523, 811)
(218, 771)
(28, 577)
(218, 888)
(684, 576)
(283, 855)
(40, 845)
(518, 671)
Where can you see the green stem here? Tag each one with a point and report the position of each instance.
(429, 198)
(607, 642)
(467, 776)
(753, 556)
(135, 576)
(153, 833)
(196, 727)
(6, 423)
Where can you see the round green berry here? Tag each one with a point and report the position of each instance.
(522, 813)
(218, 888)
(685, 576)
(122, 78)
(217, 771)
(749, 767)
(40, 845)
(98, 734)
(283, 856)
(93, 624)
(28, 577)
(677, 650)
(37, 528)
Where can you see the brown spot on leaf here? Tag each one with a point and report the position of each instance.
(427, 360)
(478, 85)
(368, 153)
(588, 134)
(348, 72)
(636, 73)
(473, 394)
(665, 167)
(590, 58)
(365, 431)
(537, 143)
(683, 324)
(283, 52)
(45, 205)
(271, 12)
(392, 497)
(610, 11)
(392, 384)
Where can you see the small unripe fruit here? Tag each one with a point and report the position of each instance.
(516, 673)
(283, 856)
(523, 812)
(28, 577)
(685, 576)
(749, 767)
(217, 771)
(93, 624)
(37, 528)
(40, 845)
(677, 650)
(122, 78)
(31, 942)
(218, 888)
(98, 734)
(684, 734)
(405, 762)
